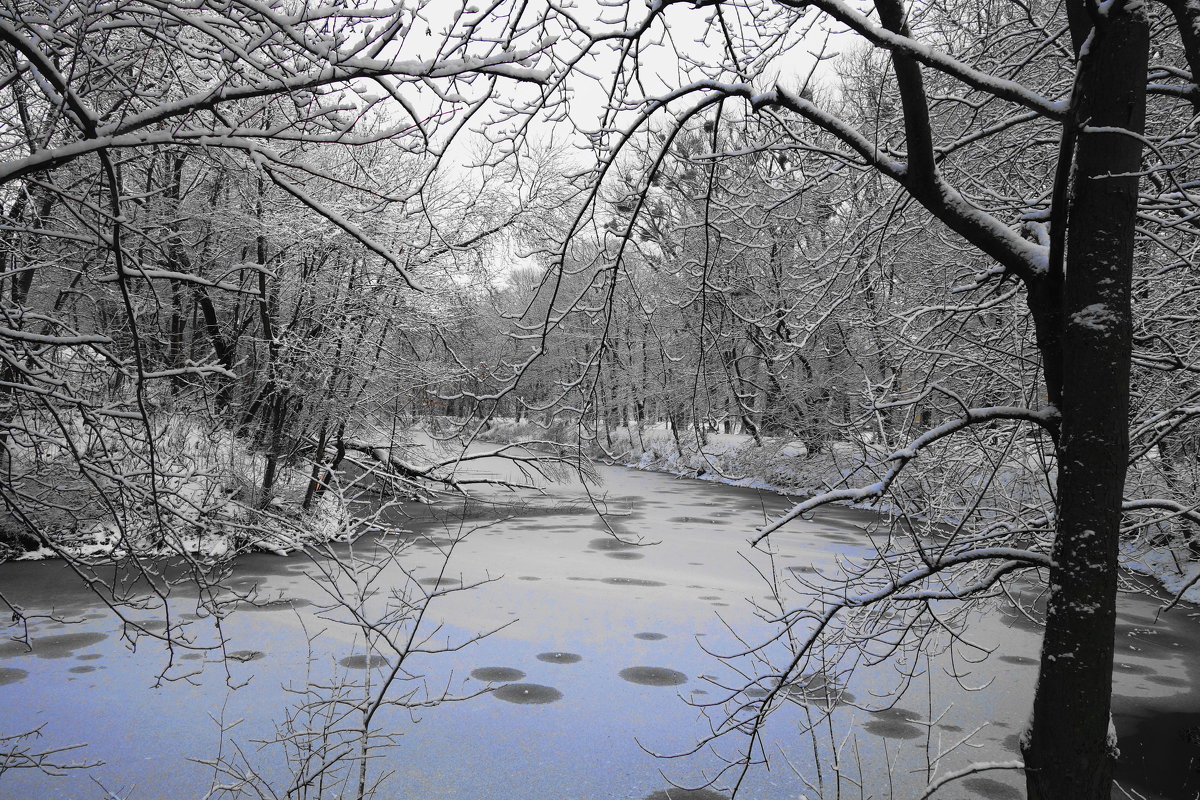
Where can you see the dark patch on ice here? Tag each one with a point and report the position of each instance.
(440, 582)
(485, 509)
(689, 520)
(896, 714)
(1020, 619)
(497, 674)
(247, 655)
(83, 669)
(529, 578)
(1147, 642)
(625, 556)
(256, 565)
(560, 658)
(1026, 660)
(631, 582)
(362, 661)
(951, 728)
(892, 729)
(281, 604)
(647, 636)
(610, 544)
(710, 597)
(1166, 680)
(1160, 751)
(653, 676)
(720, 605)
(989, 789)
(1132, 669)
(840, 538)
(64, 645)
(527, 694)
(894, 723)
(242, 585)
(1012, 742)
(756, 693)
(803, 570)
(687, 794)
(191, 656)
(8, 675)
(11, 649)
(434, 543)
(88, 657)
(814, 691)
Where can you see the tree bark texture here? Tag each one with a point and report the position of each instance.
(1067, 751)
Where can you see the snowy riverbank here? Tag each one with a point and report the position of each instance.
(205, 502)
(785, 467)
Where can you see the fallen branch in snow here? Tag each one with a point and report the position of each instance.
(411, 473)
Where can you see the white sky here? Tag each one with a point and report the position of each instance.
(683, 45)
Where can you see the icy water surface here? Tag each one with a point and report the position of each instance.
(603, 653)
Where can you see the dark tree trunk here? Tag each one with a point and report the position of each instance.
(1067, 752)
(223, 349)
(1187, 20)
(314, 479)
(338, 455)
(739, 396)
(1081, 307)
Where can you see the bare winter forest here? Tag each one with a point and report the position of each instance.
(815, 382)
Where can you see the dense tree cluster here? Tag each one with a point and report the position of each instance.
(220, 249)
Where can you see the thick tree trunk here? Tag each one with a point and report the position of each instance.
(745, 413)
(314, 479)
(224, 350)
(338, 455)
(1067, 751)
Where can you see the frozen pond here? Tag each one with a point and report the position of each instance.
(604, 652)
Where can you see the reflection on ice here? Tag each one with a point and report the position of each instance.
(497, 674)
(653, 676)
(527, 694)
